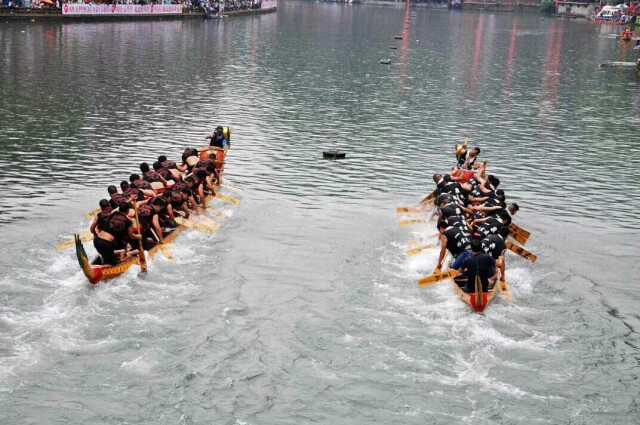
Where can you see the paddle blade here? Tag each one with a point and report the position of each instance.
(503, 286)
(90, 214)
(85, 236)
(211, 222)
(409, 222)
(438, 277)
(418, 250)
(217, 213)
(402, 210)
(513, 227)
(236, 189)
(517, 237)
(195, 225)
(521, 251)
(165, 251)
(228, 199)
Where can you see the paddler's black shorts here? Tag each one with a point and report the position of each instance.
(106, 250)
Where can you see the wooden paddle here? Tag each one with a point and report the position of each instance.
(217, 213)
(226, 186)
(229, 199)
(410, 221)
(211, 222)
(438, 276)
(85, 236)
(412, 210)
(521, 251)
(504, 290)
(519, 230)
(517, 237)
(419, 249)
(195, 225)
(143, 260)
(90, 214)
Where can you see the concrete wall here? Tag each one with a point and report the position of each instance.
(576, 9)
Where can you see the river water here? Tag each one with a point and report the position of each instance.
(303, 308)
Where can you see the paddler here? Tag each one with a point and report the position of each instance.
(118, 229)
(115, 198)
(480, 265)
(157, 182)
(452, 238)
(467, 158)
(494, 245)
(150, 224)
(217, 138)
(98, 221)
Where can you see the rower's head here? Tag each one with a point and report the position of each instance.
(124, 207)
(500, 195)
(476, 246)
(210, 168)
(201, 174)
(189, 181)
(157, 166)
(437, 177)
(219, 129)
(104, 204)
(493, 181)
(474, 152)
(504, 232)
(112, 190)
(513, 208)
(442, 226)
(134, 177)
(162, 158)
(144, 167)
(444, 199)
(447, 178)
(124, 185)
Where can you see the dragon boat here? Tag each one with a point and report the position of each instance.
(96, 271)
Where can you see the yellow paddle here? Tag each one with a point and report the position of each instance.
(143, 260)
(85, 236)
(211, 222)
(229, 199)
(519, 230)
(521, 251)
(412, 210)
(504, 290)
(90, 214)
(410, 221)
(419, 249)
(217, 213)
(195, 225)
(438, 276)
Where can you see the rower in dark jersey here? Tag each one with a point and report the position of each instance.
(190, 158)
(131, 193)
(164, 173)
(143, 185)
(495, 246)
(477, 266)
(453, 239)
(113, 237)
(150, 225)
(99, 220)
(115, 198)
(157, 182)
(467, 159)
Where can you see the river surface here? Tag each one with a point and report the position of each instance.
(303, 308)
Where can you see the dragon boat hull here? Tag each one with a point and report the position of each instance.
(478, 302)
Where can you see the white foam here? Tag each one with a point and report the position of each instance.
(139, 365)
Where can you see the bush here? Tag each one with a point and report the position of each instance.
(548, 7)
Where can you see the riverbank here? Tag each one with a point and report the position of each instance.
(56, 14)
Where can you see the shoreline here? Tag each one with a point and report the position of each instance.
(56, 15)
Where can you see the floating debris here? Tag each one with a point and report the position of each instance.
(333, 154)
(386, 61)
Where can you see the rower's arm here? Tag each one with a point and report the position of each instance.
(133, 235)
(94, 225)
(156, 225)
(443, 252)
(170, 212)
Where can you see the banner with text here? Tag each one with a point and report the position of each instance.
(121, 9)
(268, 4)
